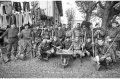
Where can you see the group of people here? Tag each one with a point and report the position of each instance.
(82, 41)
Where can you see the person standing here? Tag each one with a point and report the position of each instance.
(26, 41)
(12, 34)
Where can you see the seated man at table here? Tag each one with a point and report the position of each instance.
(56, 43)
(76, 47)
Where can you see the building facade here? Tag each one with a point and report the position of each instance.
(52, 9)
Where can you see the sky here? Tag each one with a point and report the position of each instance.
(70, 4)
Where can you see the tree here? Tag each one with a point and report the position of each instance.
(87, 8)
(70, 13)
(108, 12)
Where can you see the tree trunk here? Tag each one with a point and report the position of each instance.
(105, 19)
(88, 16)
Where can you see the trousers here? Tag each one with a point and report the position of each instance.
(12, 42)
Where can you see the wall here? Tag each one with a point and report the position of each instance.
(56, 13)
(47, 6)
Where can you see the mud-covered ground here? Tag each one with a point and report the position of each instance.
(34, 68)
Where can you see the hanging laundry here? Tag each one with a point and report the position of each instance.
(8, 19)
(17, 6)
(4, 21)
(26, 6)
(12, 19)
(27, 19)
(1, 9)
(4, 11)
(8, 8)
(20, 19)
(17, 20)
(1, 21)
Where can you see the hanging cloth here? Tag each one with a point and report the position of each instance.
(12, 19)
(8, 8)
(17, 6)
(26, 6)
(27, 19)
(4, 21)
(17, 20)
(8, 19)
(20, 19)
(4, 11)
(1, 21)
(1, 9)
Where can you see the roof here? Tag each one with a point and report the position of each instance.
(59, 5)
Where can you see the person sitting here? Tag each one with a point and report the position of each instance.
(56, 43)
(103, 58)
(67, 43)
(76, 47)
(45, 48)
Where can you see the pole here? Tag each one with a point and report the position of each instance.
(93, 43)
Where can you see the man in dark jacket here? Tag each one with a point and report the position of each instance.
(60, 33)
(112, 32)
(12, 34)
(45, 48)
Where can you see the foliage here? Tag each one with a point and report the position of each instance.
(70, 13)
(87, 8)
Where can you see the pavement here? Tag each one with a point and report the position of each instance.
(34, 68)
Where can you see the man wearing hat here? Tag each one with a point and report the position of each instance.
(26, 36)
(112, 32)
(103, 58)
(12, 34)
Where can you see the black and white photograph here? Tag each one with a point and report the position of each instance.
(59, 39)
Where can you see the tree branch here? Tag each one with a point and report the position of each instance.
(100, 4)
(94, 5)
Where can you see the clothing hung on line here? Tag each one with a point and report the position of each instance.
(5, 8)
(4, 11)
(27, 19)
(19, 20)
(26, 6)
(1, 21)
(5, 23)
(11, 19)
(1, 9)
(17, 6)
(8, 8)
